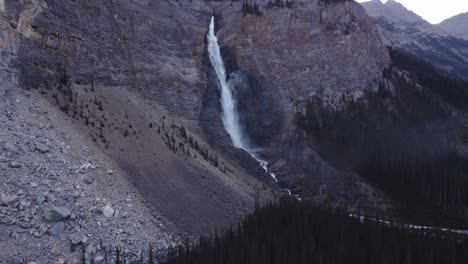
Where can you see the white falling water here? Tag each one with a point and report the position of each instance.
(228, 103)
(230, 115)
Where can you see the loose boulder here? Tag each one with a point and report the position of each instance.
(4, 234)
(108, 211)
(56, 229)
(57, 214)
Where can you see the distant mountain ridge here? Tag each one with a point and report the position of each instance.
(456, 25)
(402, 28)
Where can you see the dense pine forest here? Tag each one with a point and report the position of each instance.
(289, 231)
(402, 139)
(452, 90)
(293, 232)
(251, 7)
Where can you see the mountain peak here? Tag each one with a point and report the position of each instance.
(456, 25)
(394, 12)
(393, 2)
(402, 28)
(398, 5)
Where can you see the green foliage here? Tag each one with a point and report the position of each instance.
(151, 256)
(117, 256)
(452, 90)
(251, 7)
(183, 132)
(293, 232)
(83, 255)
(439, 184)
(280, 3)
(399, 139)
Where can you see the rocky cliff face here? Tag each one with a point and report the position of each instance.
(457, 25)
(292, 53)
(138, 43)
(134, 78)
(404, 29)
(285, 57)
(130, 77)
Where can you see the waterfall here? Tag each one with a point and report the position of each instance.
(230, 115)
(228, 103)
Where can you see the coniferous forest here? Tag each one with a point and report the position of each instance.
(402, 139)
(251, 7)
(293, 232)
(290, 231)
(452, 90)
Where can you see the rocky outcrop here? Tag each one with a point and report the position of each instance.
(130, 78)
(456, 25)
(401, 28)
(47, 212)
(278, 60)
(134, 78)
(289, 54)
(156, 46)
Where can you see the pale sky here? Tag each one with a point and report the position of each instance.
(434, 11)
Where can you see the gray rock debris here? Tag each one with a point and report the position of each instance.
(76, 238)
(55, 250)
(57, 214)
(88, 179)
(40, 198)
(108, 211)
(20, 237)
(42, 147)
(40, 231)
(9, 200)
(4, 234)
(15, 164)
(90, 249)
(11, 147)
(25, 226)
(56, 229)
(98, 259)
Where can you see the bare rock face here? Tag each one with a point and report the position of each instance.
(129, 75)
(156, 46)
(278, 60)
(401, 28)
(457, 25)
(289, 54)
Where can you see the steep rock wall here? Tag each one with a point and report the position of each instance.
(157, 49)
(403, 29)
(288, 55)
(131, 74)
(155, 46)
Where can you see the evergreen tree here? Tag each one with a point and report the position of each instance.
(303, 232)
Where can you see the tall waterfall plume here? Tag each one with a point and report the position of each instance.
(228, 102)
(230, 114)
